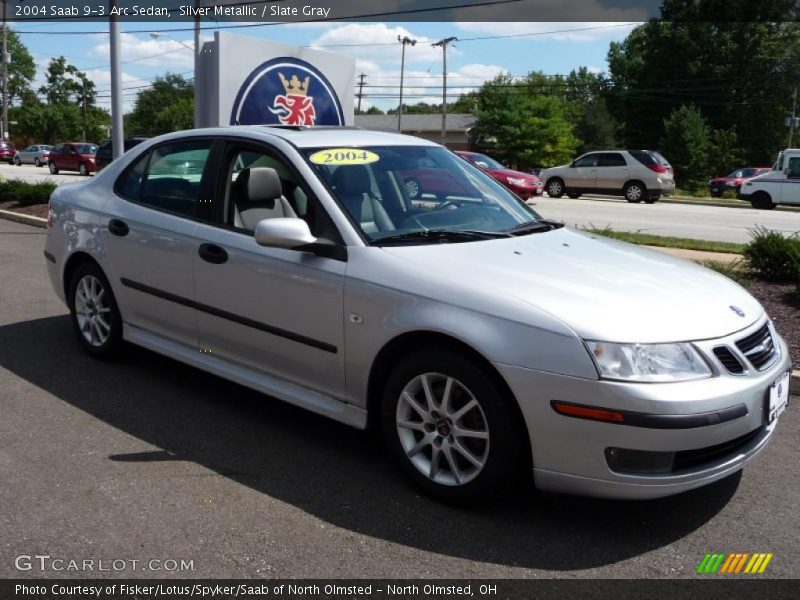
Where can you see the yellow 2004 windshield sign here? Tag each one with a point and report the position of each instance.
(343, 156)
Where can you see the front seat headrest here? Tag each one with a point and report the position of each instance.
(351, 180)
(259, 185)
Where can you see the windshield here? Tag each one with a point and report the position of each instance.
(487, 163)
(404, 192)
(742, 173)
(86, 148)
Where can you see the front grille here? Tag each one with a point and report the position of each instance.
(728, 360)
(686, 459)
(758, 348)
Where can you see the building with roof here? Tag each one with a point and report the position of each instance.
(428, 126)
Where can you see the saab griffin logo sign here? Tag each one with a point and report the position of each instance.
(745, 563)
(287, 91)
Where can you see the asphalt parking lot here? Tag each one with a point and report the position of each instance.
(33, 174)
(149, 459)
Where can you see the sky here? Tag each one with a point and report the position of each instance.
(553, 48)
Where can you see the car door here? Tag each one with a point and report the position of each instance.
(582, 174)
(274, 310)
(150, 236)
(612, 172)
(790, 186)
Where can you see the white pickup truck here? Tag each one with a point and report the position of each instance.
(779, 186)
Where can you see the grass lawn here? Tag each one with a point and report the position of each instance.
(669, 242)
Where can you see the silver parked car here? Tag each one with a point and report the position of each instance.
(36, 154)
(638, 175)
(485, 341)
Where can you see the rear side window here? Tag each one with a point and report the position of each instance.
(612, 159)
(168, 178)
(649, 157)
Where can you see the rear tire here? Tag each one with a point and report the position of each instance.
(555, 187)
(37, 162)
(451, 428)
(83, 170)
(53, 168)
(762, 201)
(635, 192)
(95, 316)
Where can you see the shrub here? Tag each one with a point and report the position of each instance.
(728, 195)
(24, 193)
(774, 256)
(735, 270)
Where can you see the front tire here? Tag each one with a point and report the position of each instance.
(95, 315)
(17, 161)
(53, 168)
(762, 201)
(555, 187)
(413, 188)
(451, 427)
(635, 192)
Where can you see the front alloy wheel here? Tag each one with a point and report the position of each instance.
(555, 188)
(452, 427)
(442, 429)
(83, 170)
(413, 188)
(53, 168)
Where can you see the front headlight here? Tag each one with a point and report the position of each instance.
(730, 183)
(514, 181)
(648, 362)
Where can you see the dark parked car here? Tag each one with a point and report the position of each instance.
(7, 152)
(77, 156)
(105, 153)
(734, 181)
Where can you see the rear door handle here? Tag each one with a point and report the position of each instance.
(213, 253)
(118, 228)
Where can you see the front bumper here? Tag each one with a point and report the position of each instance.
(569, 454)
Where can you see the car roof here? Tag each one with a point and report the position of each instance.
(313, 137)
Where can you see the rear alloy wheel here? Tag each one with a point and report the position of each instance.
(37, 162)
(17, 161)
(762, 201)
(95, 316)
(555, 188)
(83, 170)
(634, 192)
(53, 168)
(413, 188)
(450, 427)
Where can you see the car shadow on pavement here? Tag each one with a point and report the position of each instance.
(331, 471)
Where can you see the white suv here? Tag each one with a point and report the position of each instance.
(638, 175)
(779, 186)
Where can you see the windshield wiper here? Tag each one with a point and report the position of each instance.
(535, 227)
(441, 236)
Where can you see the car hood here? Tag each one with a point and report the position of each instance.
(602, 289)
(512, 173)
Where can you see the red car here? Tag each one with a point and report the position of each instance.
(734, 181)
(7, 152)
(522, 184)
(77, 156)
(429, 179)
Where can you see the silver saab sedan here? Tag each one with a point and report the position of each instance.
(484, 341)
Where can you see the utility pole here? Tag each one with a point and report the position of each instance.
(443, 45)
(117, 134)
(83, 137)
(4, 133)
(793, 118)
(361, 78)
(405, 41)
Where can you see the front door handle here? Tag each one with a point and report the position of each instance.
(118, 228)
(213, 253)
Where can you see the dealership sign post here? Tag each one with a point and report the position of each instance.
(249, 81)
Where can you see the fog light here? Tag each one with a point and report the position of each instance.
(639, 462)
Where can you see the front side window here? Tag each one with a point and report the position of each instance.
(794, 167)
(590, 160)
(168, 177)
(612, 159)
(415, 193)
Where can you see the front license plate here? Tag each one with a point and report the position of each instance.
(778, 397)
(715, 190)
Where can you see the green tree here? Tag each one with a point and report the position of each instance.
(687, 143)
(69, 88)
(737, 61)
(21, 69)
(166, 106)
(725, 152)
(520, 122)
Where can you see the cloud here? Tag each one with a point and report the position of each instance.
(386, 49)
(159, 52)
(563, 31)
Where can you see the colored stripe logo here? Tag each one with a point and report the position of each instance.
(733, 564)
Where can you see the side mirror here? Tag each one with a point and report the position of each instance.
(572, 164)
(283, 232)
